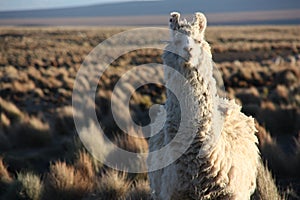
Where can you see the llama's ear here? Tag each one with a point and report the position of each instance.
(200, 21)
(174, 20)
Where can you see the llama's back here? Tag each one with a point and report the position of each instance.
(241, 151)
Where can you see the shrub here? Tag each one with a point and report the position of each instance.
(12, 111)
(4, 120)
(85, 165)
(280, 94)
(5, 178)
(266, 185)
(64, 122)
(112, 185)
(140, 191)
(271, 152)
(31, 132)
(131, 143)
(94, 141)
(31, 186)
(66, 182)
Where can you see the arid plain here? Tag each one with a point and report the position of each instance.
(41, 156)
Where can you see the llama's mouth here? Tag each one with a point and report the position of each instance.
(188, 65)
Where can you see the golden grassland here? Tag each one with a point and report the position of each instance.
(41, 154)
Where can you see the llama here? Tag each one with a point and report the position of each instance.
(215, 166)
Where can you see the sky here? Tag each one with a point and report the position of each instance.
(8, 5)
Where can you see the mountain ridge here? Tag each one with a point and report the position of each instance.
(141, 8)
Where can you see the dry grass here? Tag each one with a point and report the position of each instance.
(64, 122)
(273, 154)
(5, 178)
(4, 120)
(259, 66)
(94, 141)
(30, 132)
(85, 165)
(276, 160)
(139, 191)
(11, 110)
(266, 188)
(31, 186)
(112, 185)
(133, 141)
(66, 182)
(4, 174)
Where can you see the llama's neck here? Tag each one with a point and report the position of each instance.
(201, 95)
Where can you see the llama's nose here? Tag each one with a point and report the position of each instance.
(188, 49)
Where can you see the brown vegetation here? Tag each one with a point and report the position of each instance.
(67, 182)
(38, 140)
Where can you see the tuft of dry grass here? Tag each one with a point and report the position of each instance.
(140, 191)
(112, 185)
(31, 132)
(11, 110)
(4, 174)
(66, 182)
(31, 186)
(64, 122)
(280, 94)
(272, 153)
(94, 141)
(277, 160)
(133, 142)
(4, 120)
(264, 137)
(266, 188)
(38, 125)
(5, 178)
(84, 164)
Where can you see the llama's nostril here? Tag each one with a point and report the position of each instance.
(188, 49)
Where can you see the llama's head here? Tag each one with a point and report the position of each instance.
(187, 38)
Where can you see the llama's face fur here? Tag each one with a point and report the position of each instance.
(187, 38)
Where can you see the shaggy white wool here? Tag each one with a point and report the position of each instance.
(222, 160)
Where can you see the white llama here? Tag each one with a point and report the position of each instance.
(215, 166)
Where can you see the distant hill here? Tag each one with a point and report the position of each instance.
(158, 7)
(154, 8)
